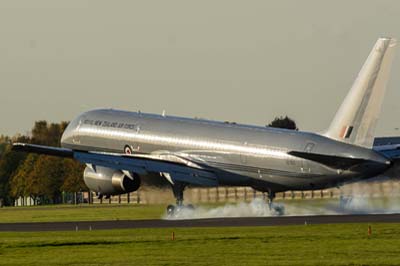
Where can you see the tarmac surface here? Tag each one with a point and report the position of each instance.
(215, 222)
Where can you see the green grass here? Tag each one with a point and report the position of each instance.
(286, 245)
(73, 213)
(61, 213)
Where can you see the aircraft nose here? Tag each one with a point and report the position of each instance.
(67, 136)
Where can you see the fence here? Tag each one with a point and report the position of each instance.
(235, 194)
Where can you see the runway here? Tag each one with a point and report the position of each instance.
(215, 222)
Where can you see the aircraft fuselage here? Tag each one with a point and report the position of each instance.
(241, 155)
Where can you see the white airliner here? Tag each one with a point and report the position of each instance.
(119, 147)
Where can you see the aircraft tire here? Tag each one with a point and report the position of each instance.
(171, 210)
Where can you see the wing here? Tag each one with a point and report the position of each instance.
(174, 167)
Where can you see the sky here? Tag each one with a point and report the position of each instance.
(243, 61)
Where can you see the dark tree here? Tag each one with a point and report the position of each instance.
(40, 177)
(9, 163)
(73, 181)
(284, 122)
(4, 142)
(40, 133)
(20, 178)
(46, 179)
(48, 134)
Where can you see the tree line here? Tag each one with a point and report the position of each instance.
(44, 178)
(41, 177)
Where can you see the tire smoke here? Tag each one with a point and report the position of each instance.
(354, 204)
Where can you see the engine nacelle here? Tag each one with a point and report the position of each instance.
(107, 181)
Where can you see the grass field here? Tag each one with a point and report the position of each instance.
(61, 213)
(347, 244)
(286, 245)
(104, 212)
(73, 213)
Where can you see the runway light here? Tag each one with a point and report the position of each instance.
(173, 236)
(369, 230)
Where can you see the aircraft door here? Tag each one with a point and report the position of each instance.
(136, 145)
(309, 147)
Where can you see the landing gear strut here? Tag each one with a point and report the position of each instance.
(271, 197)
(178, 189)
(275, 208)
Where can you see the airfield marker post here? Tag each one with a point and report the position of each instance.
(138, 197)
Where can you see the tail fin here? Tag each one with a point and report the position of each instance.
(356, 120)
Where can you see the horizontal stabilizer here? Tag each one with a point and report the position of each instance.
(388, 147)
(335, 162)
(391, 154)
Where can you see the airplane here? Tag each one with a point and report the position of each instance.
(119, 147)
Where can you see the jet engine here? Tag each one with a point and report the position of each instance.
(107, 181)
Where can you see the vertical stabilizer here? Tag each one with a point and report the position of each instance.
(357, 117)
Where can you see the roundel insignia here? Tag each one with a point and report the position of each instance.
(128, 150)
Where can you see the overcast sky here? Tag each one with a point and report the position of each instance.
(244, 61)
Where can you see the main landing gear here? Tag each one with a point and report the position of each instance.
(276, 209)
(177, 189)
